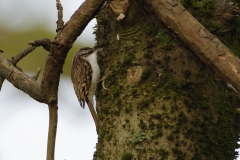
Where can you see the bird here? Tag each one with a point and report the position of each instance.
(85, 74)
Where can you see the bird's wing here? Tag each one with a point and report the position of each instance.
(81, 74)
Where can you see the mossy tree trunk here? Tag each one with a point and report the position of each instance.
(162, 102)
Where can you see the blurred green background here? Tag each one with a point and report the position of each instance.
(12, 42)
(24, 121)
(26, 20)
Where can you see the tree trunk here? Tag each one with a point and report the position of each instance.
(162, 102)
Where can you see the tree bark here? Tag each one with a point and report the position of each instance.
(205, 45)
(162, 102)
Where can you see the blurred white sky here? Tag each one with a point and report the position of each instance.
(24, 14)
(24, 126)
(23, 121)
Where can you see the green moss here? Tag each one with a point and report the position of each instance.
(163, 39)
(142, 125)
(163, 153)
(128, 108)
(170, 137)
(171, 158)
(127, 156)
(146, 73)
(105, 109)
(156, 133)
(180, 154)
(109, 137)
(128, 59)
(187, 74)
(197, 110)
(115, 92)
(142, 104)
(138, 137)
(157, 116)
(116, 112)
(200, 7)
(182, 119)
(134, 92)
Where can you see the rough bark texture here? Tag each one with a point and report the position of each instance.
(163, 102)
(205, 45)
(20, 80)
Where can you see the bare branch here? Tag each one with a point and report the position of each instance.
(59, 22)
(21, 80)
(16, 59)
(45, 43)
(64, 40)
(53, 118)
(22, 54)
(37, 74)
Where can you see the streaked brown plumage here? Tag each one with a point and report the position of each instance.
(85, 74)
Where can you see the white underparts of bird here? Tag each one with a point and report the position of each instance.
(85, 74)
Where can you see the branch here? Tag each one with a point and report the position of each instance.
(21, 80)
(66, 36)
(16, 59)
(62, 44)
(45, 43)
(205, 45)
(22, 54)
(37, 74)
(53, 118)
(59, 47)
(59, 22)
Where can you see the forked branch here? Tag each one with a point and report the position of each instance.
(48, 90)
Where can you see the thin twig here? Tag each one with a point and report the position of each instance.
(21, 80)
(60, 21)
(16, 59)
(52, 104)
(52, 131)
(37, 74)
(22, 54)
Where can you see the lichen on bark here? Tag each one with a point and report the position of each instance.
(178, 109)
